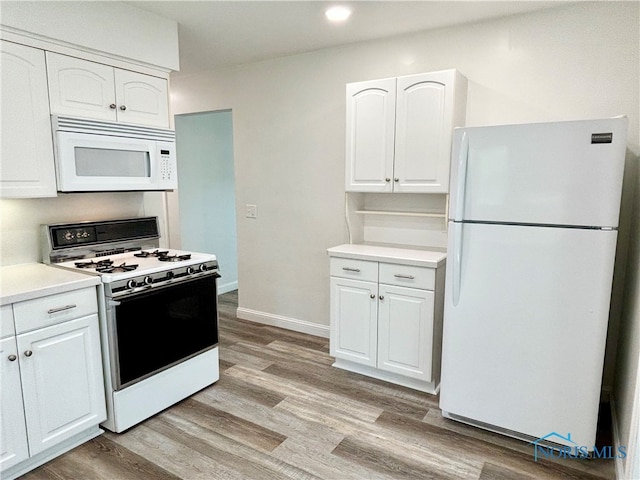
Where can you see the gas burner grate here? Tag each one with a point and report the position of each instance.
(123, 267)
(155, 253)
(91, 264)
(174, 258)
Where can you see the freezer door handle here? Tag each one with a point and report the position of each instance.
(463, 157)
(457, 261)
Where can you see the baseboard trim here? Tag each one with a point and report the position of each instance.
(289, 323)
(227, 287)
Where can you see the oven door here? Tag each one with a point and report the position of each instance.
(156, 329)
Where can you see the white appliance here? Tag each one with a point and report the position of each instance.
(158, 313)
(532, 239)
(93, 155)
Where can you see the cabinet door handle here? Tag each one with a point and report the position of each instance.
(396, 179)
(113, 106)
(28, 353)
(381, 297)
(60, 309)
(372, 296)
(349, 269)
(409, 277)
(12, 358)
(387, 179)
(123, 107)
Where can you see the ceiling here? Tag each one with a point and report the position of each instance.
(215, 34)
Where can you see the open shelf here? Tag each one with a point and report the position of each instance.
(409, 219)
(401, 214)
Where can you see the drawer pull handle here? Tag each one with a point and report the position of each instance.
(409, 277)
(60, 309)
(28, 353)
(349, 269)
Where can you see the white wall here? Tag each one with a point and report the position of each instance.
(572, 62)
(20, 219)
(626, 392)
(110, 27)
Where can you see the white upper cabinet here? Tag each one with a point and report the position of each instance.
(370, 135)
(142, 98)
(81, 88)
(26, 158)
(85, 89)
(399, 132)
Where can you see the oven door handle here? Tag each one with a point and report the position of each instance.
(114, 303)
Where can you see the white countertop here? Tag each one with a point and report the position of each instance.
(33, 280)
(433, 258)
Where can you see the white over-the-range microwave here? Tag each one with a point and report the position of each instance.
(93, 156)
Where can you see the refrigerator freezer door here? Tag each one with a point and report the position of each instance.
(523, 348)
(546, 173)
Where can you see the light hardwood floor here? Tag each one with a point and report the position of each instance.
(281, 411)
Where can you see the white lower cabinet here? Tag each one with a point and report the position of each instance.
(52, 381)
(354, 320)
(13, 431)
(389, 330)
(405, 331)
(61, 381)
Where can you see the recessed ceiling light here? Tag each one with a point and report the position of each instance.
(338, 13)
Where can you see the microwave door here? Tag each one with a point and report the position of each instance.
(87, 162)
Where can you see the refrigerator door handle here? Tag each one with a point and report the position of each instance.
(463, 157)
(457, 261)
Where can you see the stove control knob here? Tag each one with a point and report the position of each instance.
(190, 270)
(131, 284)
(203, 268)
(170, 275)
(148, 280)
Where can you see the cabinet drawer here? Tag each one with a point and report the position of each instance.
(53, 309)
(6, 321)
(408, 276)
(356, 269)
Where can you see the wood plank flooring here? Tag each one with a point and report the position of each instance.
(281, 411)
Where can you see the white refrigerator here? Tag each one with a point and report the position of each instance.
(533, 223)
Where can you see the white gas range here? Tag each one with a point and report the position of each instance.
(158, 312)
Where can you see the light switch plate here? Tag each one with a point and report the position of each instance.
(252, 211)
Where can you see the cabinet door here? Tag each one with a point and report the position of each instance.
(142, 99)
(13, 432)
(81, 88)
(370, 135)
(423, 132)
(62, 381)
(405, 331)
(354, 318)
(27, 168)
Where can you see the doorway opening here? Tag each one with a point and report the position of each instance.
(206, 193)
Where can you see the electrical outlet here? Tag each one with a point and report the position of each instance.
(252, 211)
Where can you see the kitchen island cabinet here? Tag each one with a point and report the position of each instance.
(52, 381)
(386, 313)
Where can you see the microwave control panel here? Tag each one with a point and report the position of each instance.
(167, 165)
